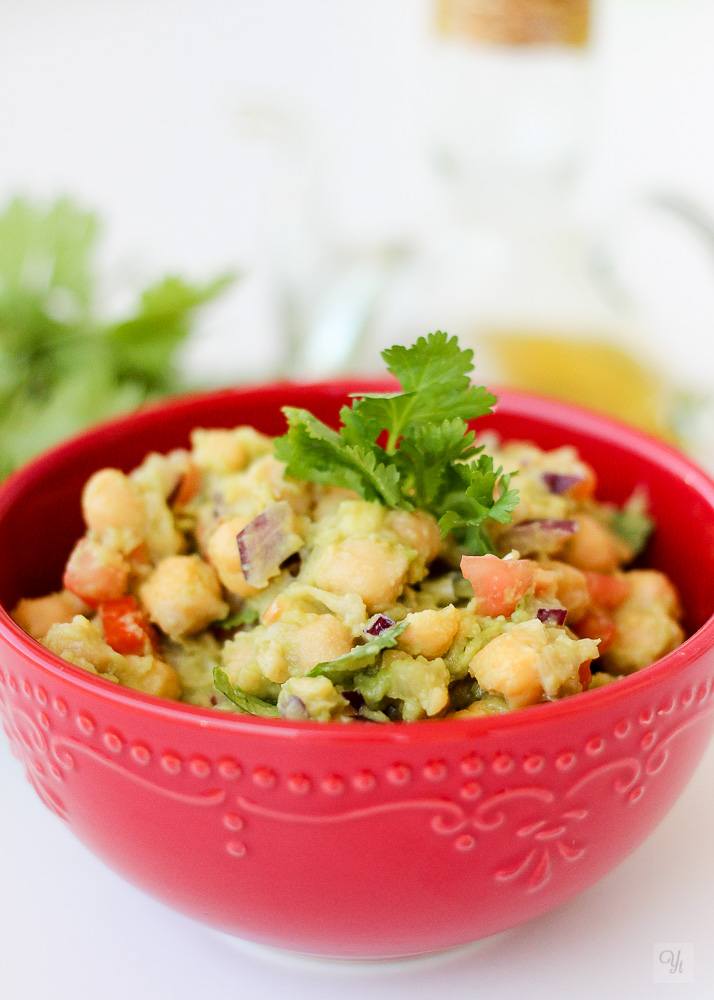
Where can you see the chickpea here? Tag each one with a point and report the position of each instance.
(272, 658)
(330, 499)
(150, 675)
(594, 547)
(430, 633)
(322, 639)
(224, 556)
(225, 451)
(570, 589)
(219, 451)
(183, 595)
(648, 587)
(312, 698)
(96, 572)
(420, 684)
(239, 663)
(509, 665)
(37, 615)
(111, 500)
(418, 530)
(530, 661)
(80, 642)
(269, 472)
(642, 635)
(368, 566)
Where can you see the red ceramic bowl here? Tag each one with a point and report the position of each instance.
(357, 840)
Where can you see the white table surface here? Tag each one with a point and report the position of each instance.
(70, 929)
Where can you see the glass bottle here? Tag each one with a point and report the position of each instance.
(504, 261)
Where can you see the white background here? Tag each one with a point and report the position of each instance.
(142, 110)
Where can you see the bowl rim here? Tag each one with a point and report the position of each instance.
(519, 404)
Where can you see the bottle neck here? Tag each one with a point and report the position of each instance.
(508, 121)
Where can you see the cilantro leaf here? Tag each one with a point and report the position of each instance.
(61, 367)
(247, 703)
(633, 524)
(144, 346)
(429, 461)
(246, 616)
(340, 671)
(313, 451)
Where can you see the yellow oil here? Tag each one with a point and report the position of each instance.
(591, 373)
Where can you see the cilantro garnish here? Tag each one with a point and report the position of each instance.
(429, 460)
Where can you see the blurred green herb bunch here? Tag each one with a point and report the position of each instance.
(61, 366)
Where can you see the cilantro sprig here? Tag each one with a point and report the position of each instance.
(63, 366)
(429, 459)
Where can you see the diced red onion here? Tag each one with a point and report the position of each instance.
(377, 624)
(552, 616)
(266, 542)
(559, 482)
(293, 708)
(544, 535)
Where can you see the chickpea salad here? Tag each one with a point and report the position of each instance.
(386, 571)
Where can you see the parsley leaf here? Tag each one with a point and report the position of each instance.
(340, 671)
(429, 461)
(247, 703)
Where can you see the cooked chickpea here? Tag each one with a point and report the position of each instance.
(642, 635)
(183, 595)
(368, 566)
(330, 499)
(594, 547)
(225, 451)
(648, 587)
(224, 556)
(110, 500)
(96, 572)
(509, 665)
(529, 662)
(219, 451)
(150, 675)
(81, 642)
(323, 639)
(430, 633)
(37, 615)
(419, 531)
(319, 697)
(570, 589)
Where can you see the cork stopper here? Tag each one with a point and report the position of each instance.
(516, 22)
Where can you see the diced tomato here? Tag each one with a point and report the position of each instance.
(585, 489)
(499, 584)
(585, 674)
(606, 591)
(126, 627)
(597, 625)
(187, 487)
